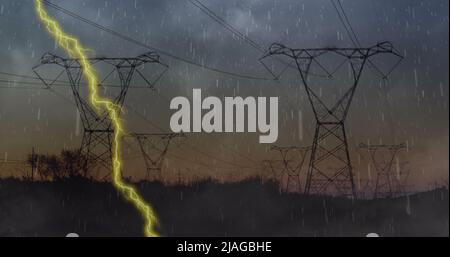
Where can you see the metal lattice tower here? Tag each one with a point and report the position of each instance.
(154, 147)
(388, 182)
(330, 139)
(273, 166)
(97, 128)
(270, 166)
(290, 164)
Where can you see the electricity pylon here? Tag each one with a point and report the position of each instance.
(387, 182)
(154, 147)
(330, 139)
(97, 134)
(290, 164)
(274, 167)
(270, 164)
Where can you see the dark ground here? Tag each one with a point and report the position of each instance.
(247, 208)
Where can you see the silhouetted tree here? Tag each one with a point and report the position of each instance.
(73, 162)
(69, 164)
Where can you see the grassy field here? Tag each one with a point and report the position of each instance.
(208, 208)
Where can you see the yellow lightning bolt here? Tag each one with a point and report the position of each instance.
(75, 50)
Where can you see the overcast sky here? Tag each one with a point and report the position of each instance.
(412, 108)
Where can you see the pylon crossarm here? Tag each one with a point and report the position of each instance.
(149, 57)
(348, 52)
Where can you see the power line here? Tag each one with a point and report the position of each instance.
(58, 8)
(232, 150)
(248, 40)
(134, 41)
(225, 24)
(351, 33)
(349, 24)
(154, 125)
(61, 83)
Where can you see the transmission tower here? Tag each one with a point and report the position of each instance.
(271, 166)
(388, 182)
(97, 134)
(154, 147)
(289, 165)
(330, 139)
(274, 167)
